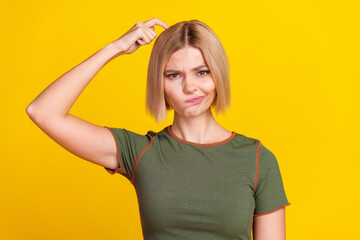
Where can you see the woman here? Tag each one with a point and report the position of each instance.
(194, 179)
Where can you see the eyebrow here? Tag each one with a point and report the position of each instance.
(195, 68)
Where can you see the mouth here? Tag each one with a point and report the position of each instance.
(195, 99)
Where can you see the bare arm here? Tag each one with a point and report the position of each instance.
(57, 99)
(50, 109)
(270, 226)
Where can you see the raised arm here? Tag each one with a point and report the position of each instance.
(50, 109)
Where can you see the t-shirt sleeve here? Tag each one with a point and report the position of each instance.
(270, 194)
(129, 146)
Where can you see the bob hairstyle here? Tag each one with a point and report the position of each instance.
(187, 33)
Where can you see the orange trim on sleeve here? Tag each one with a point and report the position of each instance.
(118, 156)
(272, 211)
(257, 166)
(117, 170)
(138, 158)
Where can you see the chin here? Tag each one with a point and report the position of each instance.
(195, 113)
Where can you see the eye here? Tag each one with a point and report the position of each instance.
(170, 75)
(204, 72)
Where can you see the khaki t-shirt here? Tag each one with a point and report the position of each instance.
(197, 191)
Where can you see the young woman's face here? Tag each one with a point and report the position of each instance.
(188, 85)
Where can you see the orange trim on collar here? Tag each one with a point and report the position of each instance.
(200, 144)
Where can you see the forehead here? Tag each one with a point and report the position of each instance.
(185, 58)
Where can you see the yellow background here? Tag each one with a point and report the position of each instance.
(295, 86)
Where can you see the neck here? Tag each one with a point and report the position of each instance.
(199, 129)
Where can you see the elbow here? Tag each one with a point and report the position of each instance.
(38, 115)
(28, 109)
(31, 112)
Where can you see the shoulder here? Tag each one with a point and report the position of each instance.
(266, 162)
(266, 156)
(243, 141)
(131, 138)
(247, 139)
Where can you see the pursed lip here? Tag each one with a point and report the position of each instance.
(194, 99)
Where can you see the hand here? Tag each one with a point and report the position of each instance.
(140, 34)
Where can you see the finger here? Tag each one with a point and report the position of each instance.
(145, 36)
(148, 35)
(153, 21)
(141, 42)
(144, 31)
(150, 31)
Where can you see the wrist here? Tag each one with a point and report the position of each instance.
(116, 48)
(111, 51)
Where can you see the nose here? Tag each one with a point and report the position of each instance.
(189, 85)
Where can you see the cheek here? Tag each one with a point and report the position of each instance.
(209, 87)
(169, 92)
(166, 89)
(211, 91)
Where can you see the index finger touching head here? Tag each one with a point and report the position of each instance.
(153, 21)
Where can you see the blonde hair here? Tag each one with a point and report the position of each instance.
(187, 33)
